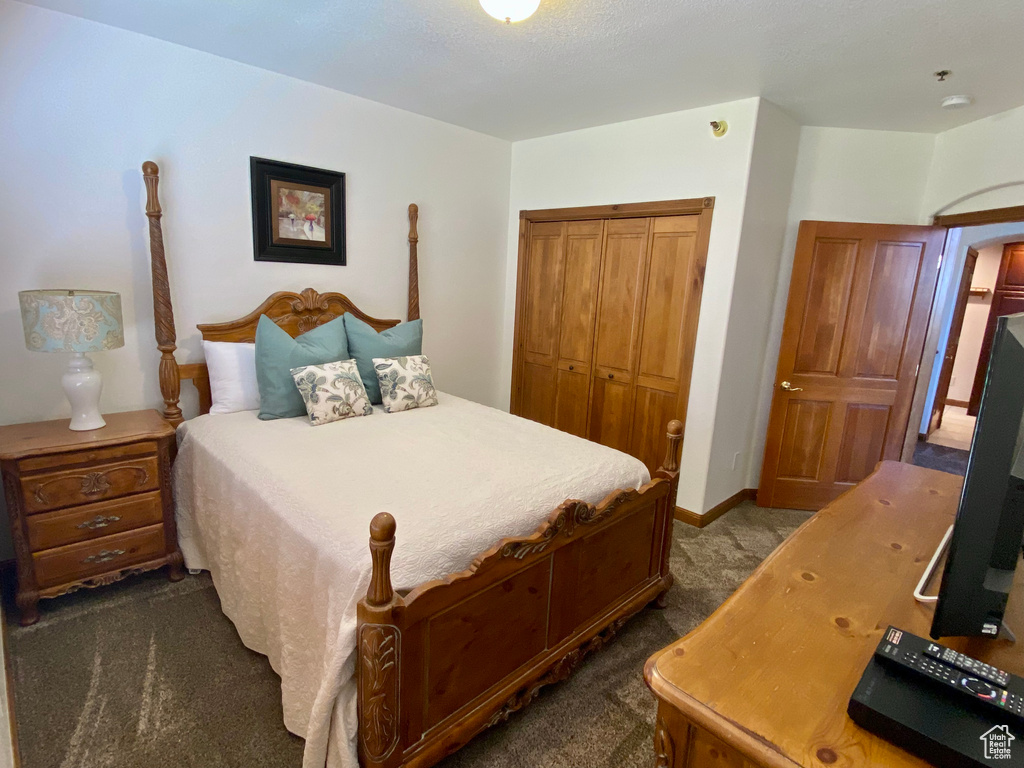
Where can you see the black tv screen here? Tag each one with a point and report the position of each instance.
(989, 527)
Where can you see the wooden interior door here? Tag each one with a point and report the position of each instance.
(671, 304)
(858, 309)
(576, 330)
(623, 267)
(1007, 299)
(956, 326)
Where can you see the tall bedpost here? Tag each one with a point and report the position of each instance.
(380, 655)
(669, 471)
(163, 311)
(414, 276)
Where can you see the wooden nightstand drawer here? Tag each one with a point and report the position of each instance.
(96, 456)
(69, 488)
(110, 553)
(54, 529)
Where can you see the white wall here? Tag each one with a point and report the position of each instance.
(978, 166)
(975, 319)
(841, 175)
(84, 105)
(773, 161)
(657, 158)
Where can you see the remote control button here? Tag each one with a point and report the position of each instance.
(980, 688)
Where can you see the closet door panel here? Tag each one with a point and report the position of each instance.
(572, 401)
(576, 333)
(622, 274)
(544, 293)
(544, 281)
(652, 411)
(579, 295)
(610, 413)
(670, 275)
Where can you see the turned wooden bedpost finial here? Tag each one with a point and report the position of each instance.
(414, 277)
(163, 311)
(675, 439)
(382, 544)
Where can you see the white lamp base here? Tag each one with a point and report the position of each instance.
(83, 384)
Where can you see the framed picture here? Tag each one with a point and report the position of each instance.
(298, 213)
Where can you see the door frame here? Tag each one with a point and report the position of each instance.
(946, 371)
(699, 206)
(951, 221)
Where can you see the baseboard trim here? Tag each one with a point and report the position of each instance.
(958, 403)
(700, 521)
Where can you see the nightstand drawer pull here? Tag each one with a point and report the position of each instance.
(105, 555)
(98, 522)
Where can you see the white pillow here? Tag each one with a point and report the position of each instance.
(232, 376)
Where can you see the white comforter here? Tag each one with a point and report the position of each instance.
(278, 512)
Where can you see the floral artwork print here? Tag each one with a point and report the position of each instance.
(332, 391)
(405, 382)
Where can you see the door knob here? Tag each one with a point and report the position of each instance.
(790, 388)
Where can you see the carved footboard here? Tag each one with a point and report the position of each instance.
(457, 655)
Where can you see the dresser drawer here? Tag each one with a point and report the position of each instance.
(68, 526)
(93, 456)
(71, 487)
(110, 553)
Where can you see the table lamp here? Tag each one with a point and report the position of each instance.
(77, 322)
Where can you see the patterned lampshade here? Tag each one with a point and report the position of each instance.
(71, 321)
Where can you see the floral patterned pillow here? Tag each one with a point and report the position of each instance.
(332, 391)
(405, 382)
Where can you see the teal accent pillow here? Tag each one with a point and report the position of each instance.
(277, 353)
(365, 344)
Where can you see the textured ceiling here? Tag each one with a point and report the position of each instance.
(579, 63)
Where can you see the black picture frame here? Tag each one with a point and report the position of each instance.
(313, 232)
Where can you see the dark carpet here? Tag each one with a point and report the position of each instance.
(932, 456)
(146, 674)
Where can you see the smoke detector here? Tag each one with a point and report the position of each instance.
(957, 102)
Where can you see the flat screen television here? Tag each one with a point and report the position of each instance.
(989, 528)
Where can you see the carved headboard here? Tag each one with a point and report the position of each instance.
(296, 313)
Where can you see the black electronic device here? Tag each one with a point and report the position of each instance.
(940, 705)
(985, 543)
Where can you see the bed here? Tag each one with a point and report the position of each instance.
(517, 549)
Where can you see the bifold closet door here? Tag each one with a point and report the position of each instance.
(623, 267)
(670, 307)
(605, 325)
(562, 278)
(545, 278)
(576, 330)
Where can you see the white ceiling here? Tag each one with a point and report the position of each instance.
(579, 63)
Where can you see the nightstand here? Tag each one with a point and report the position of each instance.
(88, 508)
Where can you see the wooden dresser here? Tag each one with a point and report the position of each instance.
(88, 508)
(765, 681)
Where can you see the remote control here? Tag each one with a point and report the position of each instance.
(981, 682)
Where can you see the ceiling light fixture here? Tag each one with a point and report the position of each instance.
(510, 10)
(957, 102)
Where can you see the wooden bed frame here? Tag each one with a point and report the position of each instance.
(451, 657)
